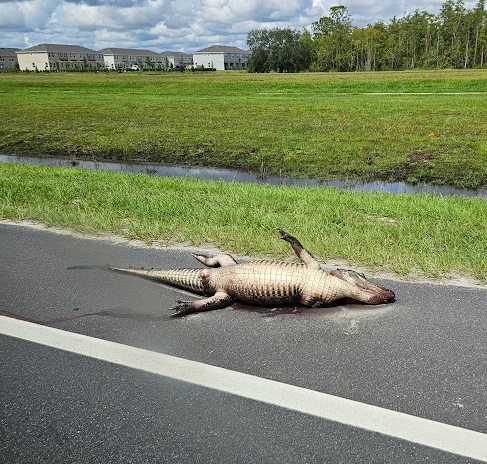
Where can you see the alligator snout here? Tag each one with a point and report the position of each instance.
(377, 293)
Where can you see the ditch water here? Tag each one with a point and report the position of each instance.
(239, 176)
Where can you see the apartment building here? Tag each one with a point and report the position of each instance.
(125, 58)
(57, 57)
(221, 58)
(8, 58)
(178, 59)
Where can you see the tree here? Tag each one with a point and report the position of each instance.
(149, 64)
(305, 49)
(451, 17)
(479, 26)
(456, 37)
(281, 50)
(259, 60)
(368, 48)
(85, 64)
(416, 38)
(333, 40)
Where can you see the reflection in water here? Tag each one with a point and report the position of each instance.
(239, 176)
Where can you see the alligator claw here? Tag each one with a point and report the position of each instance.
(182, 309)
(290, 238)
(182, 305)
(283, 234)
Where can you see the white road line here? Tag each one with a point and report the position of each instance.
(403, 426)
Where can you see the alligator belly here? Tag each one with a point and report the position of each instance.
(264, 285)
(267, 299)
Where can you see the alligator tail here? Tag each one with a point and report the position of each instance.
(193, 280)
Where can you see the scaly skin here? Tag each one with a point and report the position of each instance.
(265, 282)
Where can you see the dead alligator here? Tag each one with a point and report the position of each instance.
(265, 282)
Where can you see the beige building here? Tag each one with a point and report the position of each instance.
(221, 58)
(56, 57)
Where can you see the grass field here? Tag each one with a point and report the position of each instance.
(425, 235)
(411, 126)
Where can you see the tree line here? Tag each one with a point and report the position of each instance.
(454, 38)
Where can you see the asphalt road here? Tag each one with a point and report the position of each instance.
(424, 356)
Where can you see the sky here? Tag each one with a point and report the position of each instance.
(177, 25)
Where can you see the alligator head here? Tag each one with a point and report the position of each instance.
(377, 294)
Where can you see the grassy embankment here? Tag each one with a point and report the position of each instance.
(429, 234)
(309, 125)
(412, 126)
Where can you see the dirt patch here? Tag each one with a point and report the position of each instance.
(420, 156)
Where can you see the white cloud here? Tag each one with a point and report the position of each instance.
(11, 17)
(37, 12)
(184, 25)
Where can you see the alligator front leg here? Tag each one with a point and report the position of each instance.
(217, 301)
(304, 255)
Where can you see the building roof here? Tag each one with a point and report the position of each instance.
(8, 51)
(223, 49)
(119, 51)
(169, 53)
(127, 51)
(57, 48)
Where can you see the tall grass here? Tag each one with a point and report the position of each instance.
(406, 234)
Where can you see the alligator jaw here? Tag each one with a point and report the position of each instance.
(378, 294)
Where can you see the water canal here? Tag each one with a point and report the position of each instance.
(240, 176)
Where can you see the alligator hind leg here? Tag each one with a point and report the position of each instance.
(216, 261)
(304, 255)
(217, 301)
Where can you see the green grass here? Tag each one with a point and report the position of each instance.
(410, 126)
(431, 235)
